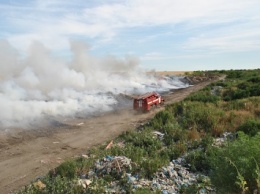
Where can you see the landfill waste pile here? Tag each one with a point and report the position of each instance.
(224, 137)
(176, 177)
(169, 179)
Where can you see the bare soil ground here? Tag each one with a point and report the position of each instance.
(28, 154)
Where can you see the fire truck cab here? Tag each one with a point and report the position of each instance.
(147, 101)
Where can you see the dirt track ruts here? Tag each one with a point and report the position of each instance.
(29, 154)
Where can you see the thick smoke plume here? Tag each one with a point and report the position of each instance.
(41, 85)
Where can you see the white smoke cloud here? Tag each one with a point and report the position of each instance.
(41, 85)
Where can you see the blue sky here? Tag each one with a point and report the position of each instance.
(163, 34)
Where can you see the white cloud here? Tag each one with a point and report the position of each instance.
(239, 37)
(54, 22)
(153, 56)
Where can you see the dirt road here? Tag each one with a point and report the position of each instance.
(29, 154)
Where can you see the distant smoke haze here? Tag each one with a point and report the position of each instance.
(41, 85)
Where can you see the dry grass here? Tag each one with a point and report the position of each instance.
(236, 118)
(257, 112)
(193, 135)
(253, 107)
(218, 130)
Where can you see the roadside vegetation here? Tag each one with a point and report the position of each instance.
(190, 129)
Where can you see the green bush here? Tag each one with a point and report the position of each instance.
(161, 119)
(255, 79)
(255, 90)
(57, 185)
(234, 105)
(250, 127)
(98, 185)
(220, 83)
(173, 133)
(68, 169)
(144, 149)
(198, 161)
(145, 140)
(202, 117)
(174, 151)
(234, 167)
(234, 74)
(135, 153)
(203, 96)
(151, 165)
(233, 94)
(245, 85)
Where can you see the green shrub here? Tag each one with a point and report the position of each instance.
(244, 85)
(255, 90)
(98, 185)
(151, 165)
(161, 119)
(202, 117)
(220, 83)
(234, 105)
(68, 169)
(250, 127)
(135, 153)
(233, 94)
(198, 161)
(236, 161)
(255, 79)
(173, 133)
(174, 151)
(206, 142)
(203, 96)
(177, 108)
(57, 185)
(145, 140)
(235, 74)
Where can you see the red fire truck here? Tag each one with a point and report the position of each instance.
(147, 101)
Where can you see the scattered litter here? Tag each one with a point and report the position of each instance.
(109, 145)
(158, 134)
(85, 156)
(21, 177)
(39, 185)
(88, 182)
(43, 161)
(84, 183)
(111, 164)
(80, 124)
(225, 136)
